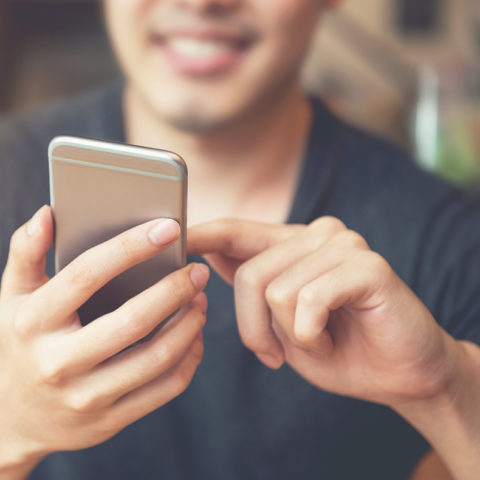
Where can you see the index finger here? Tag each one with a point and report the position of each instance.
(91, 270)
(240, 239)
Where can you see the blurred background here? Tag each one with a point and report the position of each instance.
(407, 69)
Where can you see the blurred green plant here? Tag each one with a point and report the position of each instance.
(458, 152)
(446, 126)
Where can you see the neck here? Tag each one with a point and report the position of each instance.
(261, 154)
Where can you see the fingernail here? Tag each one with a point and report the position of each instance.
(164, 231)
(34, 225)
(270, 361)
(199, 275)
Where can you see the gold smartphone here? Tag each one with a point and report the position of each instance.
(99, 189)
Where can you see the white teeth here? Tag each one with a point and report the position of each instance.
(198, 48)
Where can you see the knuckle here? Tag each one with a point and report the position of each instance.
(128, 325)
(377, 264)
(15, 242)
(50, 371)
(81, 402)
(278, 296)
(252, 342)
(105, 427)
(25, 322)
(308, 295)
(255, 340)
(247, 276)
(250, 337)
(80, 274)
(182, 378)
(304, 339)
(328, 223)
(22, 327)
(352, 239)
(162, 355)
(19, 251)
(376, 268)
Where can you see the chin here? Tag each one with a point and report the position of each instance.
(198, 117)
(197, 125)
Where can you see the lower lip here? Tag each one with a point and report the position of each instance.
(201, 66)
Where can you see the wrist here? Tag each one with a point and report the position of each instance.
(17, 470)
(450, 419)
(459, 378)
(17, 463)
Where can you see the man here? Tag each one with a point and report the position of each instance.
(365, 361)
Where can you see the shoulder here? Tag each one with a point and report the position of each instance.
(371, 176)
(412, 217)
(368, 175)
(86, 115)
(24, 137)
(386, 168)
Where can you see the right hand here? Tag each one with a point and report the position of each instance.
(62, 386)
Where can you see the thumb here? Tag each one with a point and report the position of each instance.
(25, 269)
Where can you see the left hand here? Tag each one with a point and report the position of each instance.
(320, 299)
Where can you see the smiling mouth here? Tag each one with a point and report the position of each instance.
(201, 52)
(201, 48)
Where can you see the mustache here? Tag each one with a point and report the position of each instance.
(223, 22)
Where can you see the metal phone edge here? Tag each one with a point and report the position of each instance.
(123, 149)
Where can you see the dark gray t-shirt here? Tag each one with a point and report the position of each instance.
(238, 419)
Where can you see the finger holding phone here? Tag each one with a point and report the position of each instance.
(62, 384)
(68, 386)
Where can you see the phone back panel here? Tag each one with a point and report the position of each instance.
(99, 189)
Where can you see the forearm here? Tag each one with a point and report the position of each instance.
(451, 420)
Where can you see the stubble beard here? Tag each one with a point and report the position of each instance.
(191, 118)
